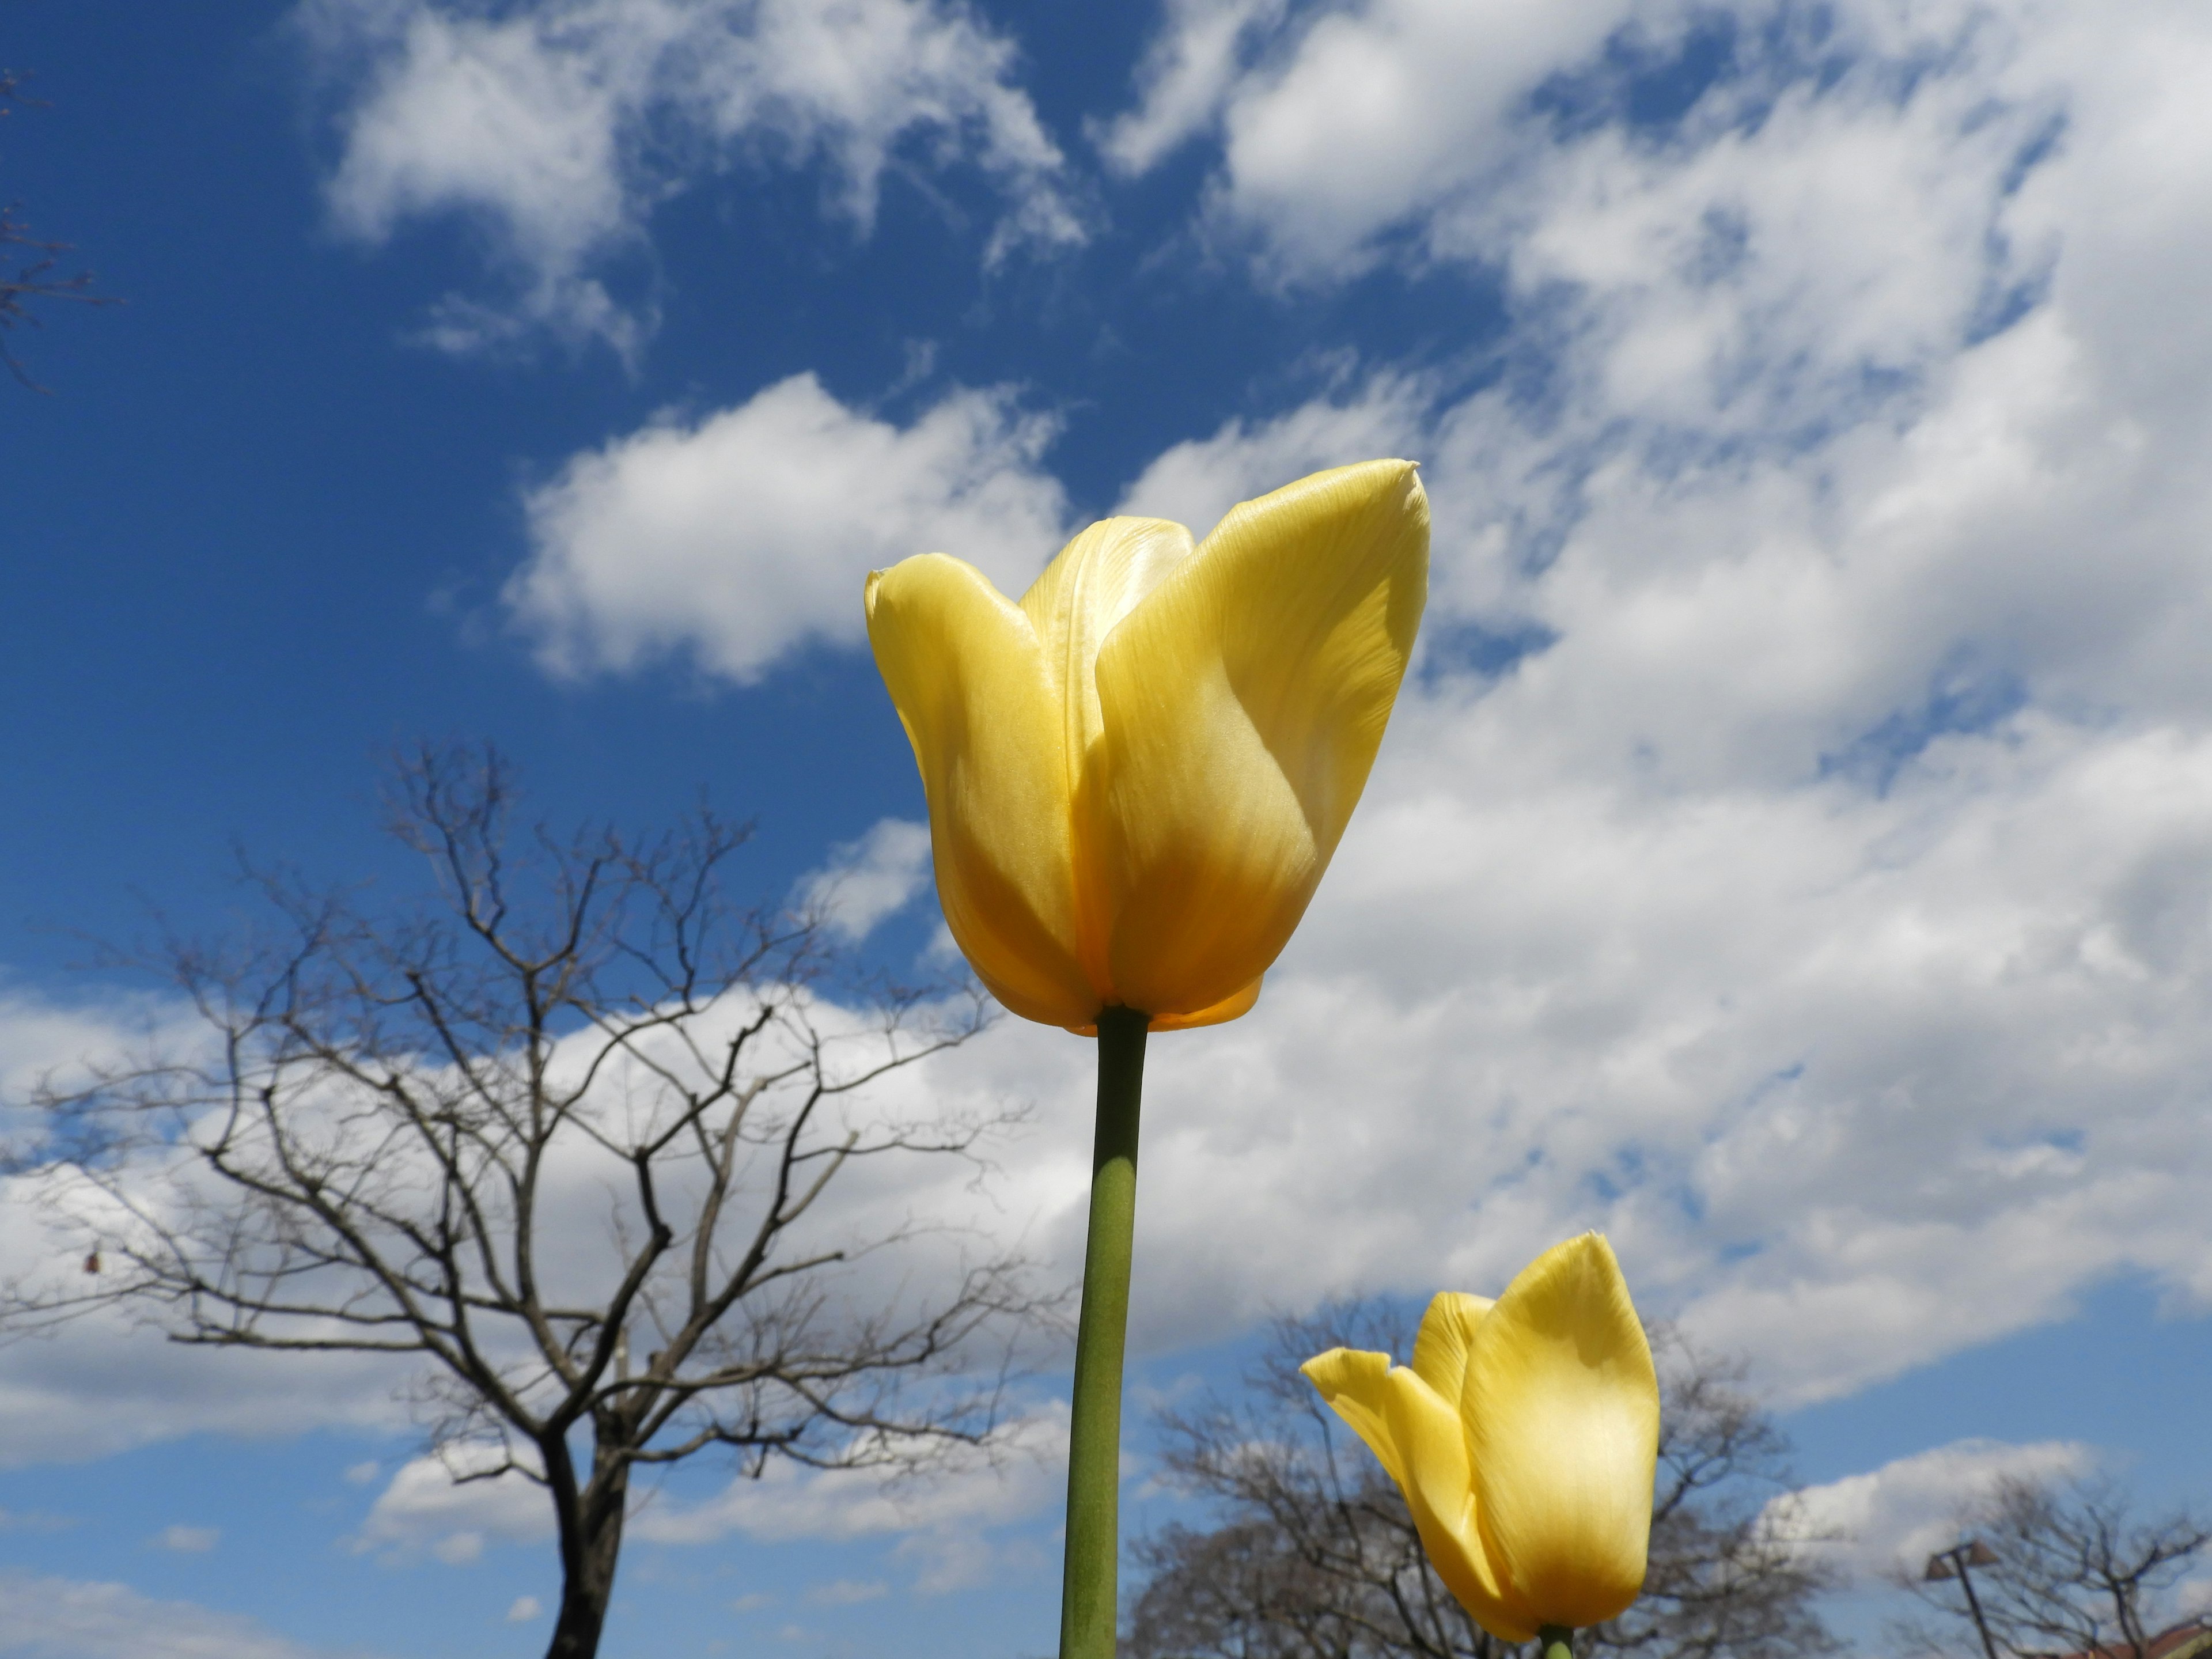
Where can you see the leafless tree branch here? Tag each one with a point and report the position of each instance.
(404, 1120)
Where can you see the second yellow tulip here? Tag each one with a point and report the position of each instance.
(1525, 1436)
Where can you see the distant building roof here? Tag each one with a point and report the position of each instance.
(2190, 1640)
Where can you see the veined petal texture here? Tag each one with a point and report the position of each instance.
(1097, 579)
(1242, 701)
(1440, 1347)
(1561, 1405)
(1415, 1432)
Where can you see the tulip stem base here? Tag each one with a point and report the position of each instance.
(1556, 1642)
(1088, 1607)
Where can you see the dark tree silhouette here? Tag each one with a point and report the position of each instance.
(561, 1132)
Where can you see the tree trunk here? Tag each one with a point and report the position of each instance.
(591, 1544)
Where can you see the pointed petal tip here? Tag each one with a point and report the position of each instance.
(1440, 1348)
(1562, 1411)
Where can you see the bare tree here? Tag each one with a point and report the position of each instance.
(1317, 1557)
(561, 1134)
(2062, 1569)
(27, 263)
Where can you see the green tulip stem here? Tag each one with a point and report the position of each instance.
(1557, 1641)
(1088, 1607)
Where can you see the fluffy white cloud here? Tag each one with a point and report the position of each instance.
(749, 533)
(558, 123)
(1020, 1471)
(1796, 854)
(947, 1522)
(866, 880)
(188, 1540)
(449, 1505)
(103, 1385)
(1341, 124)
(49, 1618)
(1876, 1525)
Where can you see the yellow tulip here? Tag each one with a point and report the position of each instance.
(1137, 775)
(1524, 1436)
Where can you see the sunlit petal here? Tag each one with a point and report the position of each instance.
(1446, 1509)
(1356, 1385)
(1415, 1433)
(1440, 1350)
(1228, 1008)
(1095, 580)
(1561, 1407)
(1242, 704)
(968, 676)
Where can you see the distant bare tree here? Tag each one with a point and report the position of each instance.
(2065, 1568)
(561, 1131)
(1316, 1557)
(27, 263)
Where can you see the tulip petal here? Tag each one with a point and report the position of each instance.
(1416, 1435)
(1562, 1413)
(1440, 1350)
(968, 676)
(1244, 700)
(1094, 582)
(1355, 1384)
(1228, 1008)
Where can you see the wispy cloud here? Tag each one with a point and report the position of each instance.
(53, 1618)
(558, 125)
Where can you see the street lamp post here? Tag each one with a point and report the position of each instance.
(1953, 1564)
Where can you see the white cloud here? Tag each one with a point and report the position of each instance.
(362, 1473)
(103, 1386)
(1197, 482)
(424, 1506)
(944, 1522)
(749, 533)
(525, 1609)
(1017, 1475)
(458, 1549)
(1793, 857)
(867, 880)
(1876, 1525)
(557, 125)
(1821, 902)
(50, 1618)
(1186, 74)
(188, 1540)
(847, 1592)
(1340, 124)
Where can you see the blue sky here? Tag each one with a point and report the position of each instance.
(1792, 855)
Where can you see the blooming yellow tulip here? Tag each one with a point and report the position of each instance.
(1524, 1436)
(1137, 775)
